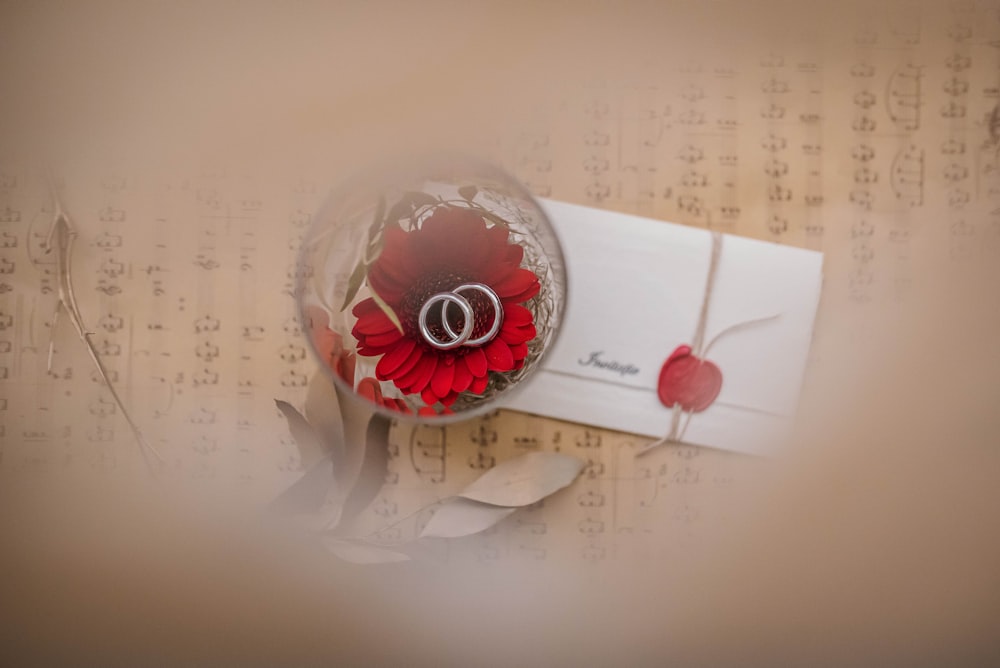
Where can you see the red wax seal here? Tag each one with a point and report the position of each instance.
(690, 381)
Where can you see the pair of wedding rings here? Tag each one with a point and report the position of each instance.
(464, 336)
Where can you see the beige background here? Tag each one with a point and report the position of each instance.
(208, 133)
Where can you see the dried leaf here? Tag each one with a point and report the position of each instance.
(376, 225)
(399, 210)
(357, 553)
(373, 250)
(419, 199)
(307, 494)
(356, 414)
(373, 468)
(410, 201)
(468, 193)
(524, 480)
(311, 446)
(322, 411)
(393, 318)
(489, 215)
(354, 283)
(463, 517)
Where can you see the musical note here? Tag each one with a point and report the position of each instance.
(864, 123)
(596, 165)
(953, 109)
(207, 377)
(691, 154)
(864, 99)
(108, 240)
(207, 324)
(590, 526)
(481, 460)
(777, 224)
(775, 168)
(110, 214)
(590, 499)
(907, 175)
(427, 453)
(779, 193)
(774, 86)
(9, 215)
(863, 70)
(903, 97)
(861, 198)
(773, 112)
(958, 62)
(774, 143)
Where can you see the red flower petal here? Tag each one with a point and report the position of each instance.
(411, 361)
(365, 307)
(370, 390)
(499, 271)
(463, 377)
(372, 323)
(384, 339)
(344, 366)
(406, 380)
(519, 351)
(389, 290)
(315, 317)
(515, 253)
(448, 400)
(476, 360)
(429, 396)
(327, 341)
(445, 236)
(479, 384)
(515, 316)
(498, 356)
(443, 377)
(426, 410)
(526, 295)
(498, 238)
(426, 368)
(396, 259)
(515, 335)
(394, 359)
(518, 282)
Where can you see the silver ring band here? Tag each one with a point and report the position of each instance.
(497, 313)
(457, 339)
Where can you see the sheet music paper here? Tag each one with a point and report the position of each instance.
(863, 147)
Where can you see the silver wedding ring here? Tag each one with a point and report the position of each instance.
(463, 337)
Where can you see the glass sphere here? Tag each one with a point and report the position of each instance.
(431, 289)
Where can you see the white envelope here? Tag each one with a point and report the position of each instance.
(635, 291)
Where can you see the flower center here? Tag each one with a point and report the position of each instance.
(443, 281)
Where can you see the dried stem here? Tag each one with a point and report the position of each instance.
(60, 239)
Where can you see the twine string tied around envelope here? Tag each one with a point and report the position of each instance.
(689, 383)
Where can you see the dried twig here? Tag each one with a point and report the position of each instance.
(60, 239)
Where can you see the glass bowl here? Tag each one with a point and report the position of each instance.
(432, 288)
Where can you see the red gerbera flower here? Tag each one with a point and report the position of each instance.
(453, 246)
(331, 350)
